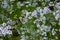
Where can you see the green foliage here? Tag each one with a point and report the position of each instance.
(27, 28)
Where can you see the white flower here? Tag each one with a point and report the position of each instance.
(58, 5)
(38, 25)
(47, 0)
(34, 4)
(26, 12)
(36, 21)
(5, 4)
(12, 0)
(38, 31)
(51, 4)
(45, 28)
(55, 13)
(53, 31)
(8, 27)
(56, 37)
(34, 13)
(57, 16)
(5, 31)
(10, 22)
(22, 37)
(46, 10)
(19, 4)
(43, 18)
(44, 33)
(4, 24)
(44, 38)
(40, 10)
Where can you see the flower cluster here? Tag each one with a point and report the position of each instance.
(4, 29)
(35, 20)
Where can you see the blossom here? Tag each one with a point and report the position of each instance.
(36, 21)
(26, 13)
(53, 31)
(51, 4)
(4, 24)
(43, 18)
(38, 25)
(10, 22)
(40, 10)
(57, 16)
(47, 10)
(45, 28)
(58, 5)
(34, 13)
(4, 29)
(5, 4)
(12, 0)
(19, 4)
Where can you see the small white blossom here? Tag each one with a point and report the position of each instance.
(51, 4)
(19, 4)
(5, 31)
(34, 13)
(46, 10)
(43, 18)
(44, 33)
(38, 25)
(58, 5)
(47, 0)
(44, 38)
(53, 31)
(38, 31)
(55, 13)
(10, 22)
(45, 28)
(57, 16)
(12, 0)
(23, 37)
(34, 4)
(36, 21)
(4, 24)
(40, 10)
(4, 4)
